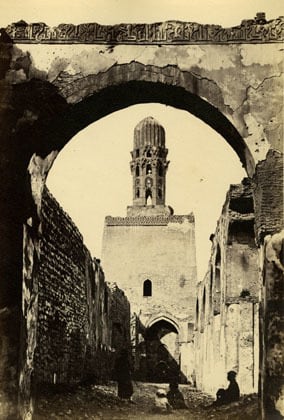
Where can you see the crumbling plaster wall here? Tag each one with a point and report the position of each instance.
(227, 336)
(235, 78)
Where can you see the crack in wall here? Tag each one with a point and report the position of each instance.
(255, 89)
(177, 76)
(228, 110)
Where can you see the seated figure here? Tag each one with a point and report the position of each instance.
(175, 397)
(162, 404)
(231, 394)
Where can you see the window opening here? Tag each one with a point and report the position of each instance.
(160, 169)
(147, 288)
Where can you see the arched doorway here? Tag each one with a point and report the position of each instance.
(60, 120)
(159, 357)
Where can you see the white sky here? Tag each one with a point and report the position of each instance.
(91, 176)
(53, 12)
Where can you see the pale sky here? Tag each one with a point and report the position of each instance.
(91, 176)
(53, 12)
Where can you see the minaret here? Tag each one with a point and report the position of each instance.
(148, 168)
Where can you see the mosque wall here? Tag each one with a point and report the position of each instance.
(163, 254)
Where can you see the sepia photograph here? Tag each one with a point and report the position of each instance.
(141, 197)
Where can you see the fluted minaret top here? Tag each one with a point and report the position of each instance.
(149, 132)
(148, 168)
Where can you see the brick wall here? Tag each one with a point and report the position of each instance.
(120, 318)
(268, 195)
(74, 335)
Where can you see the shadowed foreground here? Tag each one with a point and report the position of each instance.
(100, 402)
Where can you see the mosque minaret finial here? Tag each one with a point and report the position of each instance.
(148, 168)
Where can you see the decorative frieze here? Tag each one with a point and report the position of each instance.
(256, 30)
(148, 220)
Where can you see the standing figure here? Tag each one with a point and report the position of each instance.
(123, 376)
(173, 372)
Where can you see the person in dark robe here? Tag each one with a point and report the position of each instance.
(175, 397)
(161, 371)
(231, 394)
(233, 390)
(123, 376)
(173, 372)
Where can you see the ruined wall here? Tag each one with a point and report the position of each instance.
(268, 194)
(272, 267)
(232, 68)
(120, 318)
(75, 306)
(227, 307)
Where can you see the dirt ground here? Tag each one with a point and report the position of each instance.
(97, 402)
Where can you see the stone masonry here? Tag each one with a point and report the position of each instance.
(82, 320)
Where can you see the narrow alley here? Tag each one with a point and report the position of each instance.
(96, 402)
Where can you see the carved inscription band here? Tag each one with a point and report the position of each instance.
(147, 220)
(256, 30)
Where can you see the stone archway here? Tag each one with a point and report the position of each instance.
(164, 317)
(162, 350)
(43, 109)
